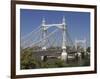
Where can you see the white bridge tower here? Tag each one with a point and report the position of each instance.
(44, 31)
(64, 53)
(62, 27)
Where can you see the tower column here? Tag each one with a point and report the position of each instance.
(64, 53)
(44, 34)
(44, 31)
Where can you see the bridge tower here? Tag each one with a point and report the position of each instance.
(61, 26)
(44, 31)
(83, 45)
(44, 34)
(64, 53)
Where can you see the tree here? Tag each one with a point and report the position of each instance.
(88, 49)
(28, 61)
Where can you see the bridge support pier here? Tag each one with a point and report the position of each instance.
(64, 55)
(79, 56)
(42, 58)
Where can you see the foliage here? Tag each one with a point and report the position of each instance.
(86, 61)
(88, 49)
(29, 61)
(54, 63)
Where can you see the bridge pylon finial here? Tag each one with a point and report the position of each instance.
(63, 20)
(43, 20)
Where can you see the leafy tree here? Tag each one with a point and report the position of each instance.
(88, 49)
(52, 63)
(28, 61)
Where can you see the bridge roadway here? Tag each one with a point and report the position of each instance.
(52, 53)
(47, 53)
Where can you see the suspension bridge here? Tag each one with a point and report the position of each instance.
(53, 40)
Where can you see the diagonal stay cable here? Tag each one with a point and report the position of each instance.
(31, 37)
(69, 38)
(28, 42)
(49, 43)
(44, 38)
(32, 32)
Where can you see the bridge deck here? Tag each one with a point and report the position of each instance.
(49, 53)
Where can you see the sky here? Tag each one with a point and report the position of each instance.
(78, 23)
